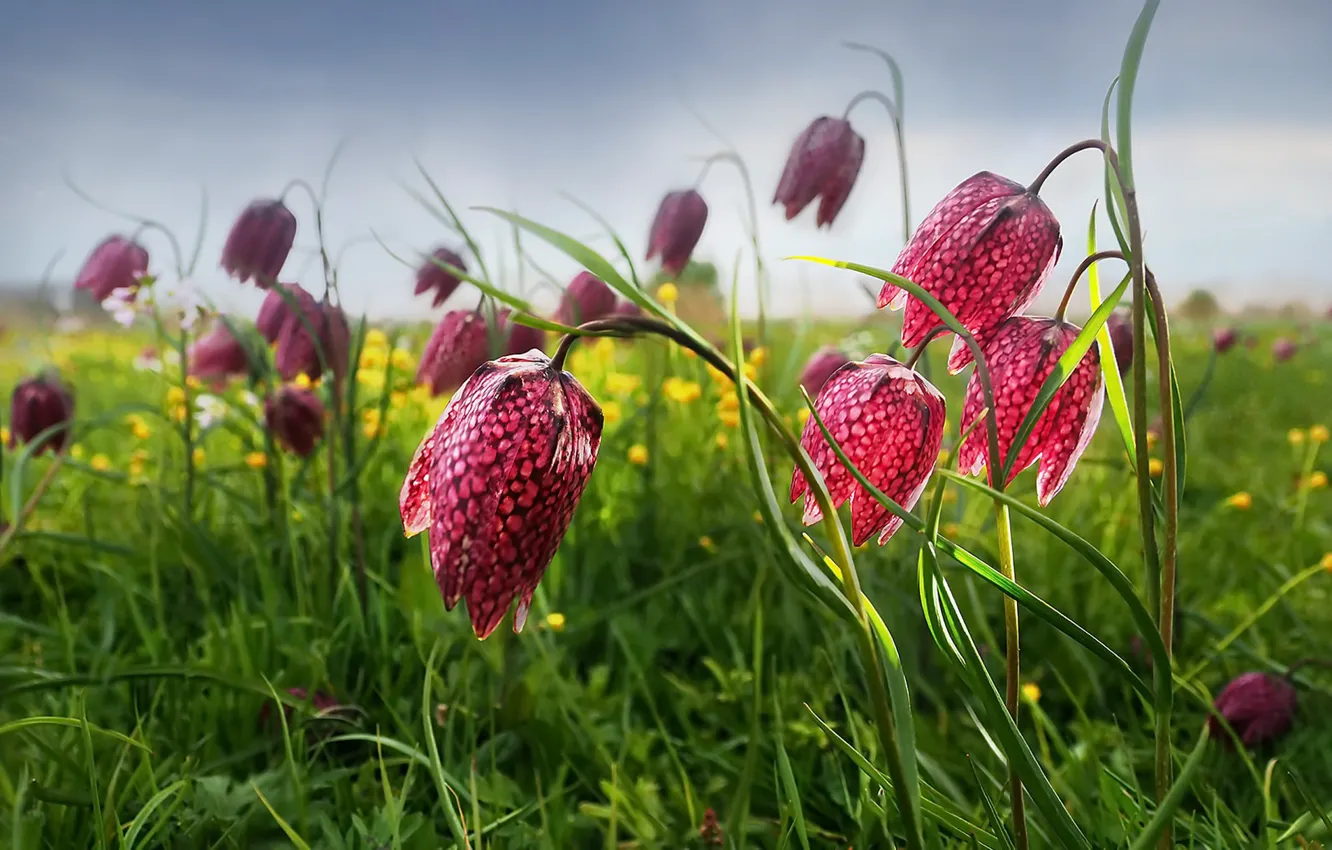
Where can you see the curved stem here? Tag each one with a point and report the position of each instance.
(1085, 144)
(920, 349)
(895, 113)
(899, 97)
(760, 280)
(1087, 263)
(871, 94)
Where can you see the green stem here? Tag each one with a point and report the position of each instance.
(1013, 662)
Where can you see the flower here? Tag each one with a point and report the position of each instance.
(889, 421)
(1318, 433)
(825, 160)
(120, 304)
(676, 229)
(1021, 354)
(211, 409)
(586, 299)
(1317, 480)
(115, 263)
(621, 383)
(519, 339)
(1223, 339)
(497, 480)
(705, 543)
(284, 302)
(100, 462)
(218, 356)
(457, 347)
(147, 360)
(1326, 562)
(1241, 501)
(610, 412)
(1295, 437)
(668, 293)
(1258, 706)
(1031, 691)
(983, 251)
(1120, 326)
(638, 454)
(820, 366)
(722, 440)
(40, 404)
(625, 307)
(1283, 349)
(256, 460)
(138, 427)
(295, 418)
(298, 351)
(555, 621)
(433, 276)
(259, 242)
(681, 391)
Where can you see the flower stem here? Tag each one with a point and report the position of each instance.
(1087, 263)
(1013, 665)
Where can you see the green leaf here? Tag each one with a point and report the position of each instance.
(1165, 812)
(1114, 384)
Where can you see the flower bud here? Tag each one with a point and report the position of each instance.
(116, 263)
(38, 404)
(259, 242)
(295, 418)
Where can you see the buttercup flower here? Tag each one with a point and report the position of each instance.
(459, 344)
(497, 480)
(276, 310)
(1241, 500)
(259, 242)
(295, 418)
(1021, 354)
(1223, 339)
(1258, 706)
(218, 356)
(1120, 326)
(587, 299)
(820, 366)
(116, 263)
(824, 161)
(676, 229)
(984, 251)
(889, 420)
(38, 404)
(431, 277)
(298, 351)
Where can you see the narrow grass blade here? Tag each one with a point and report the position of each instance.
(292, 835)
(1165, 813)
(1114, 384)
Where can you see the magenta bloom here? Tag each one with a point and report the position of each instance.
(889, 421)
(625, 307)
(824, 161)
(276, 310)
(587, 299)
(38, 404)
(298, 351)
(984, 251)
(497, 480)
(1224, 339)
(218, 356)
(116, 263)
(820, 367)
(1258, 706)
(519, 339)
(1120, 326)
(1021, 354)
(459, 345)
(430, 276)
(676, 229)
(295, 418)
(259, 242)
(1284, 349)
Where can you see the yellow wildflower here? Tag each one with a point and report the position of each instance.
(1154, 467)
(605, 349)
(638, 454)
(179, 413)
(1241, 500)
(706, 543)
(192, 382)
(375, 338)
(758, 356)
(373, 358)
(100, 462)
(610, 412)
(1295, 436)
(420, 394)
(371, 378)
(1152, 439)
(398, 399)
(717, 375)
(373, 430)
(729, 418)
(302, 381)
(1318, 480)
(680, 390)
(76, 451)
(370, 415)
(199, 456)
(1326, 563)
(175, 396)
(668, 293)
(1318, 433)
(4, 435)
(618, 383)
(402, 360)
(256, 460)
(689, 353)
(138, 427)
(1031, 691)
(751, 371)
(722, 440)
(802, 416)
(758, 517)
(555, 621)
(729, 401)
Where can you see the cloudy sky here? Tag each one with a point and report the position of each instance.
(146, 104)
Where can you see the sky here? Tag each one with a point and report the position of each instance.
(149, 106)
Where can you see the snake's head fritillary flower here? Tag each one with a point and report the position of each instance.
(116, 263)
(497, 480)
(983, 251)
(40, 403)
(519, 339)
(820, 367)
(889, 420)
(295, 418)
(587, 299)
(298, 350)
(218, 356)
(459, 344)
(1120, 326)
(824, 163)
(1284, 349)
(282, 302)
(676, 229)
(432, 276)
(625, 307)
(1021, 354)
(1224, 339)
(259, 242)
(1258, 706)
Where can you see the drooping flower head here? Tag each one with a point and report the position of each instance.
(676, 229)
(259, 242)
(824, 161)
(1224, 339)
(277, 309)
(298, 350)
(889, 420)
(519, 339)
(820, 367)
(625, 307)
(218, 356)
(1258, 706)
(37, 404)
(1021, 354)
(587, 299)
(497, 480)
(1120, 326)
(983, 251)
(1284, 349)
(116, 263)
(459, 344)
(295, 418)
(432, 277)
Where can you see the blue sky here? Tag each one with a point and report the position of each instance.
(510, 102)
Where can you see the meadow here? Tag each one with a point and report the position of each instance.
(221, 628)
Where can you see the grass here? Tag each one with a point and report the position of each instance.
(670, 673)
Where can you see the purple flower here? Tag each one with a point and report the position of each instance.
(259, 242)
(459, 344)
(1258, 706)
(824, 160)
(519, 339)
(298, 350)
(116, 263)
(38, 404)
(1284, 349)
(983, 251)
(276, 309)
(431, 276)
(497, 480)
(625, 307)
(820, 367)
(1120, 326)
(218, 356)
(295, 418)
(587, 299)
(889, 420)
(1223, 339)
(676, 229)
